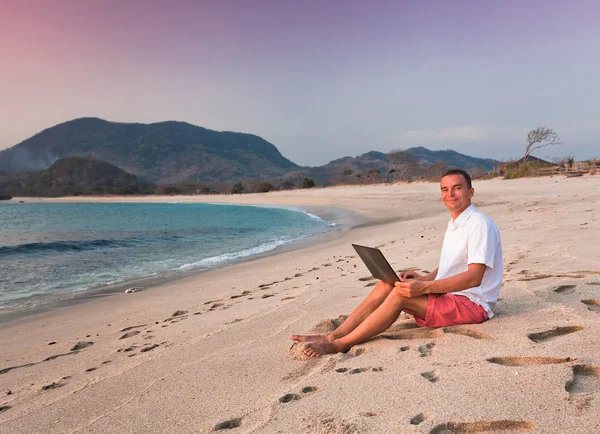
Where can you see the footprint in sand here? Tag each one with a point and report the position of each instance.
(130, 334)
(228, 424)
(583, 386)
(460, 330)
(90, 369)
(357, 370)
(418, 419)
(355, 352)
(585, 380)
(565, 289)
(553, 333)
(528, 361)
(366, 279)
(4, 408)
(178, 313)
(81, 346)
(126, 329)
(483, 426)
(53, 385)
(426, 350)
(150, 348)
(289, 397)
(593, 305)
(360, 370)
(309, 389)
(411, 333)
(431, 376)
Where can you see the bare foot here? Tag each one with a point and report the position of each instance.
(311, 338)
(316, 349)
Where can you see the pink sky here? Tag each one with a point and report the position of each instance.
(319, 80)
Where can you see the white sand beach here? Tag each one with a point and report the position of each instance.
(211, 352)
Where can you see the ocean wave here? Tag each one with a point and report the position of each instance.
(319, 219)
(228, 257)
(76, 245)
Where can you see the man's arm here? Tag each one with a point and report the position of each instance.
(459, 282)
(430, 276)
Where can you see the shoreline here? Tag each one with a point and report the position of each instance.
(343, 221)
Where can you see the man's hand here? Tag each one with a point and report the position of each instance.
(412, 288)
(408, 275)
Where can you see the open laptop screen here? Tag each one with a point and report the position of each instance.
(377, 264)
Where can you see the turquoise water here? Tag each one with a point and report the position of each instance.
(64, 248)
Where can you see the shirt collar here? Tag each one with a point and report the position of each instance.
(461, 219)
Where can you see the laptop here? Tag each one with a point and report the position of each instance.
(377, 264)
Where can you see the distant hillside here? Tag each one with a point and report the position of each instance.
(74, 175)
(164, 152)
(420, 162)
(426, 158)
(178, 153)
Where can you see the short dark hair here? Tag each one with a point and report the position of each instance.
(460, 172)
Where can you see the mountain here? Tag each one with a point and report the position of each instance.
(177, 152)
(418, 162)
(74, 175)
(426, 158)
(164, 152)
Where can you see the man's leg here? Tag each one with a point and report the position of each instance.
(366, 308)
(380, 320)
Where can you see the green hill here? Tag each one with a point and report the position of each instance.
(74, 175)
(164, 152)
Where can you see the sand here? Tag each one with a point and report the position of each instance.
(211, 352)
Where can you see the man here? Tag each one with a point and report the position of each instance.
(462, 290)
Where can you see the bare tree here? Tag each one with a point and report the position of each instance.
(436, 170)
(539, 138)
(400, 162)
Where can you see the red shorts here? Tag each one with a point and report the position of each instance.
(449, 309)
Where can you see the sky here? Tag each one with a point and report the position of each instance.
(319, 80)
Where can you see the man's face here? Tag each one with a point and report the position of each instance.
(455, 194)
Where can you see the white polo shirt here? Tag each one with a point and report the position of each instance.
(473, 238)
